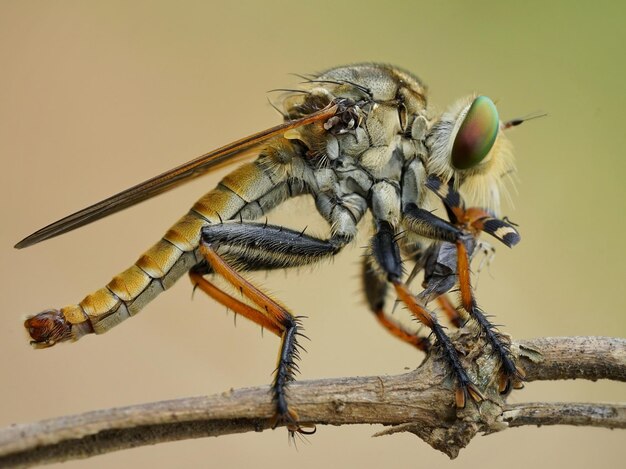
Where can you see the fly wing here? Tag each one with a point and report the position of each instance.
(170, 179)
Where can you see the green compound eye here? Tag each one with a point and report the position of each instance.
(476, 134)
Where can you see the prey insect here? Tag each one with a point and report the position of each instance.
(357, 139)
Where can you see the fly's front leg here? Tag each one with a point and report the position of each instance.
(511, 376)
(255, 246)
(386, 253)
(427, 224)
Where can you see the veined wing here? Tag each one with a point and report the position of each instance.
(169, 179)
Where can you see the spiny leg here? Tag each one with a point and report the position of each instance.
(476, 220)
(452, 264)
(255, 246)
(387, 255)
(375, 289)
(282, 321)
(259, 246)
(510, 376)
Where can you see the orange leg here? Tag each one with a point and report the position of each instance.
(375, 288)
(471, 222)
(386, 257)
(256, 246)
(451, 312)
(270, 315)
(395, 329)
(235, 305)
(510, 375)
(465, 387)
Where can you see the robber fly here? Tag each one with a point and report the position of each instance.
(357, 139)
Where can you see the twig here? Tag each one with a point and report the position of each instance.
(420, 402)
(565, 413)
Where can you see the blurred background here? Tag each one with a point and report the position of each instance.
(97, 96)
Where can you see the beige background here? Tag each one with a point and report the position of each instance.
(96, 96)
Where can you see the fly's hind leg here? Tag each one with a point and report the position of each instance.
(271, 315)
(254, 246)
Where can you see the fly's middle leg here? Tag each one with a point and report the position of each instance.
(450, 311)
(376, 287)
(234, 246)
(386, 253)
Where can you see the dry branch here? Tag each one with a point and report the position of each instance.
(420, 402)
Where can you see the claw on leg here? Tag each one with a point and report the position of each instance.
(463, 391)
(509, 381)
(290, 420)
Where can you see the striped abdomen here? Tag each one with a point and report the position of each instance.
(161, 265)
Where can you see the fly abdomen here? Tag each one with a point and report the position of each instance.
(163, 264)
(128, 292)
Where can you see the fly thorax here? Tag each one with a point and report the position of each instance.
(351, 177)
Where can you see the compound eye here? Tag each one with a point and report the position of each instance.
(476, 134)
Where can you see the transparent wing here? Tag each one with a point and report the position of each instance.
(170, 179)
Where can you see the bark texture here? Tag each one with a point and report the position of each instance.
(420, 402)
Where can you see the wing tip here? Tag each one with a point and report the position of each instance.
(31, 239)
(23, 244)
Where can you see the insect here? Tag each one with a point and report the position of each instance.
(357, 139)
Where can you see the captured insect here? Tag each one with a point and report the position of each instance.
(357, 139)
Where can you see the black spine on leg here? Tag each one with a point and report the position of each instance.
(286, 368)
(272, 237)
(441, 266)
(254, 246)
(451, 355)
(499, 344)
